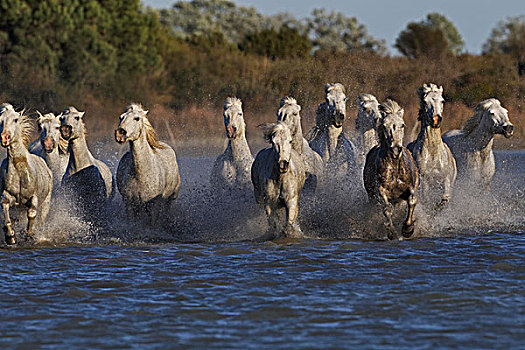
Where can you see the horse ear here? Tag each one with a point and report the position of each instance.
(441, 89)
(146, 112)
(402, 112)
(81, 114)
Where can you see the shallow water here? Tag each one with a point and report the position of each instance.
(459, 292)
(115, 285)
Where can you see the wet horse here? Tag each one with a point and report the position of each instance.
(148, 175)
(288, 113)
(390, 173)
(231, 170)
(25, 178)
(472, 146)
(435, 163)
(278, 175)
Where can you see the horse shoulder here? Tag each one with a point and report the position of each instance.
(123, 168)
(106, 174)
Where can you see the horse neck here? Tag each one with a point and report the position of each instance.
(80, 156)
(239, 147)
(333, 133)
(430, 137)
(297, 139)
(17, 154)
(142, 155)
(480, 139)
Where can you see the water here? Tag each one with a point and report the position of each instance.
(460, 285)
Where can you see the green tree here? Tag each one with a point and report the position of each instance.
(434, 37)
(200, 17)
(335, 31)
(287, 42)
(508, 38)
(451, 33)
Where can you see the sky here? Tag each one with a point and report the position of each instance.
(384, 19)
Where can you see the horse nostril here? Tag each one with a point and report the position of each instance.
(121, 131)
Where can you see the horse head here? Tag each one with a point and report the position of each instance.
(71, 123)
(431, 105)
(14, 126)
(494, 117)
(288, 113)
(280, 137)
(368, 116)
(392, 127)
(49, 129)
(336, 102)
(233, 118)
(131, 123)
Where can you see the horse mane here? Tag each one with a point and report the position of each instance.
(363, 99)
(390, 107)
(335, 86)
(473, 122)
(269, 129)
(287, 100)
(27, 124)
(232, 101)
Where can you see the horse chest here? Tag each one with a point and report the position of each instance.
(19, 185)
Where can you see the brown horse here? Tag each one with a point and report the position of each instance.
(390, 173)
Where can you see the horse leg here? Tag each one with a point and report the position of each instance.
(31, 215)
(272, 222)
(447, 193)
(387, 211)
(292, 229)
(7, 201)
(408, 225)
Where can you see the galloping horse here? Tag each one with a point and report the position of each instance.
(51, 146)
(434, 160)
(288, 113)
(231, 170)
(472, 146)
(390, 173)
(148, 175)
(25, 178)
(366, 124)
(278, 175)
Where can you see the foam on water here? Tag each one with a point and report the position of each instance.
(336, 212)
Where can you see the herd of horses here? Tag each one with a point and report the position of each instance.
(148, 177)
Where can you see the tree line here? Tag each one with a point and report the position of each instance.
(102, 54)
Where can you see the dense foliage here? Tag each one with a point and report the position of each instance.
(100, 55)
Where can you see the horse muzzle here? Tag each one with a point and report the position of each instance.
(284, 166)
(66, 131)
(120, 135)
(436, 121)
(231, 131)
(396, 151)
(508, 131)
(48, 144)
(339, 119)
(6, 139)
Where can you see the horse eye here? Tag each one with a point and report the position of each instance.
(290, 141)
(16, 120)
(77, 118)
(402, 126)
(137, 119)
(58, 128)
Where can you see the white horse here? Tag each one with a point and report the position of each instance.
(336, 151)
(288, 113)
(436, 165)
(472, 146)
(148, 175)
(366, 124)
(26, 179)
(51, 146)
(87, 178)
(278, 175)
(231, 170)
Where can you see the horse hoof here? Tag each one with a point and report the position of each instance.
(10, 239)
(408, 230)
